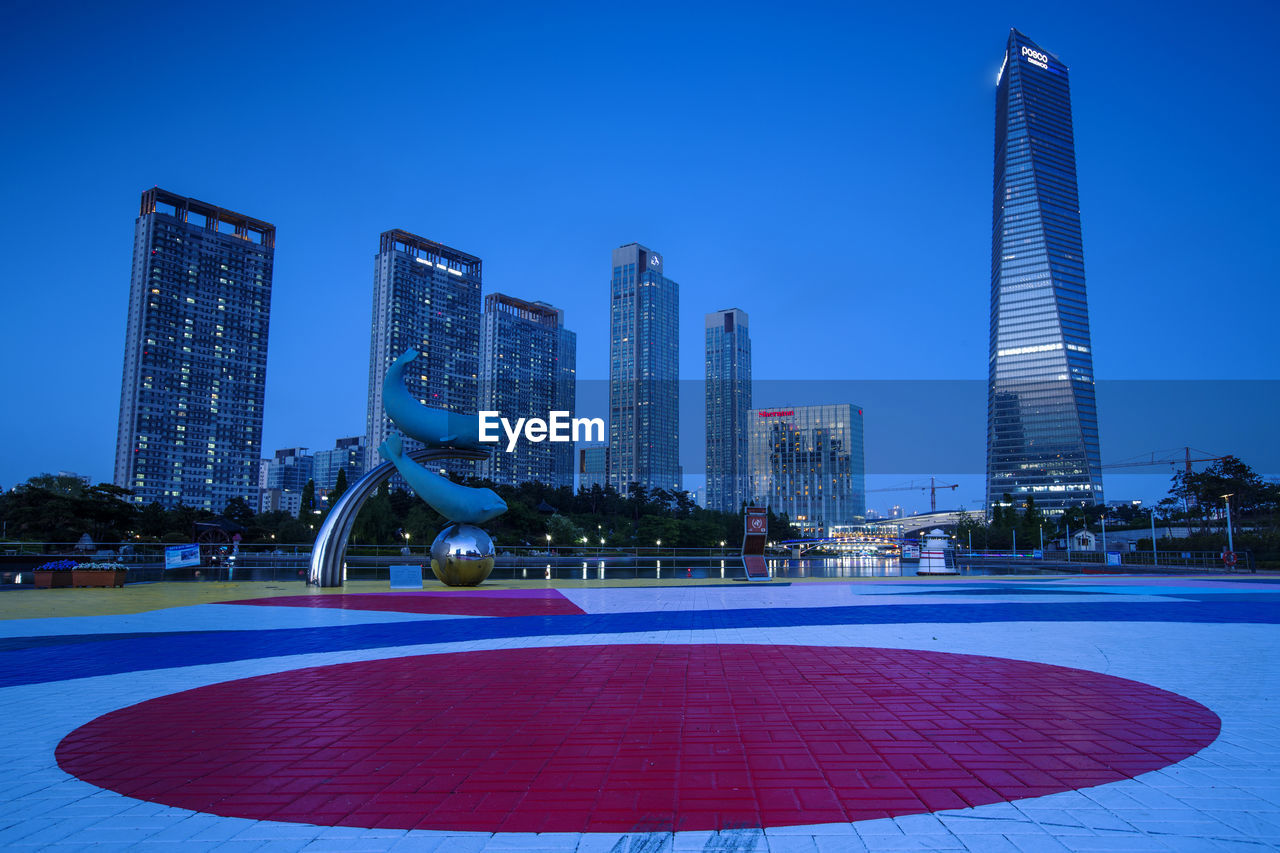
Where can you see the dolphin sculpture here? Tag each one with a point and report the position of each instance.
(433, 427)
(464, 504)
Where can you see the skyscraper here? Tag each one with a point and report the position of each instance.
(593, 466)
(348, 454)
(808, 462)
(1042, 421)
(728, 397)
(644, 372)
(426, 296)
(283, 478)
(195, 358)
(528, 364)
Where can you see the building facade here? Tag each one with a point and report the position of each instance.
(728, 399)
(348, 454)
(644, 372)
(528, 368)
(593, 466)
(1042, 420)
(808, 462)
(195, 360)
(282, 479)
(426, 296)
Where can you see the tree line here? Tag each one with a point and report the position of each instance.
(1195, 500)
(51, 508)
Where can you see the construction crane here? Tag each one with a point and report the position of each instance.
(932, 489)
(1185, 460)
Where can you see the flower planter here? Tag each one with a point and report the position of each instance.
(98, 577)
(53, 579)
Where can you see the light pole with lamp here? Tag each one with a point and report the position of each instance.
(1155, 558)
(1231, 549)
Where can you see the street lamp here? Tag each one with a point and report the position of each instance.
(1155, 560)
(1227, 500)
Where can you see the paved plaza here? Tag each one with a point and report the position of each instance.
(1042, 713)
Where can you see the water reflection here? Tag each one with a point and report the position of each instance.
(842, 567)
(628, 567)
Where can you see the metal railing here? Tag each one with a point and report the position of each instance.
(1171, 558)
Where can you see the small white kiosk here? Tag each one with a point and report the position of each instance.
(933, 554)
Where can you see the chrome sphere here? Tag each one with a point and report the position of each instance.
(462, 555)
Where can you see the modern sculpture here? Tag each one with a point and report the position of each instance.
(462, 554)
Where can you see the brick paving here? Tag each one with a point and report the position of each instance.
(1100, 713)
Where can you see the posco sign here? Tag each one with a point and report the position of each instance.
(1035, 57)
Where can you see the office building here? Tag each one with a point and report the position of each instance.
(528, 365)
(426, 296)
(283, 478)
(593, 466)
(644, 372)
(728, 399)
(1042, 421)
(807, 462)
(348, 454)
(195, 360)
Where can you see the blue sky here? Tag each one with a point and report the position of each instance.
(825, 167)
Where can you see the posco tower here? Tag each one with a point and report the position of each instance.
(1042, 420)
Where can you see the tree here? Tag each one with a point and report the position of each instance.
(52, 508)
(151, 522)
(376, 524)
(1204, 490)
(339, 487)
(563, 531)
(238, 510)
(308, 500)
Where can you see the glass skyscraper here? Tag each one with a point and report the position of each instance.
(728, 397)
(195, 359)
(644, 372)
(426, 296)
(808, 462)
(528, 362)
(1042, 421)
(348, 454)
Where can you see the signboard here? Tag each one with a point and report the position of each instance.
(755, 531)
(1037, 554)
(406, 577)
(181, 556)
(1113, 558)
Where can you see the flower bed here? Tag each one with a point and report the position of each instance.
(99, 574)
(54, 574)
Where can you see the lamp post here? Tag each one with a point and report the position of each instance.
(1227, 500)
(1155, 559)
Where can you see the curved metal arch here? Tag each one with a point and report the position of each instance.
(327, 554)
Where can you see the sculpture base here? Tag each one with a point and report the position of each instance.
(462, 555)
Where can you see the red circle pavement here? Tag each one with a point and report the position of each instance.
(635, 738)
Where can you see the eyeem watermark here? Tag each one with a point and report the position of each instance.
(559, 426)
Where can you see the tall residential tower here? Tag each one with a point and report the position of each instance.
(644, 372)
(195, 358)
(528, 363)
(728, 397)
(426, 296)
(1042, 421)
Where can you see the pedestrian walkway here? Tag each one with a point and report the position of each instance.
(1003, 714)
